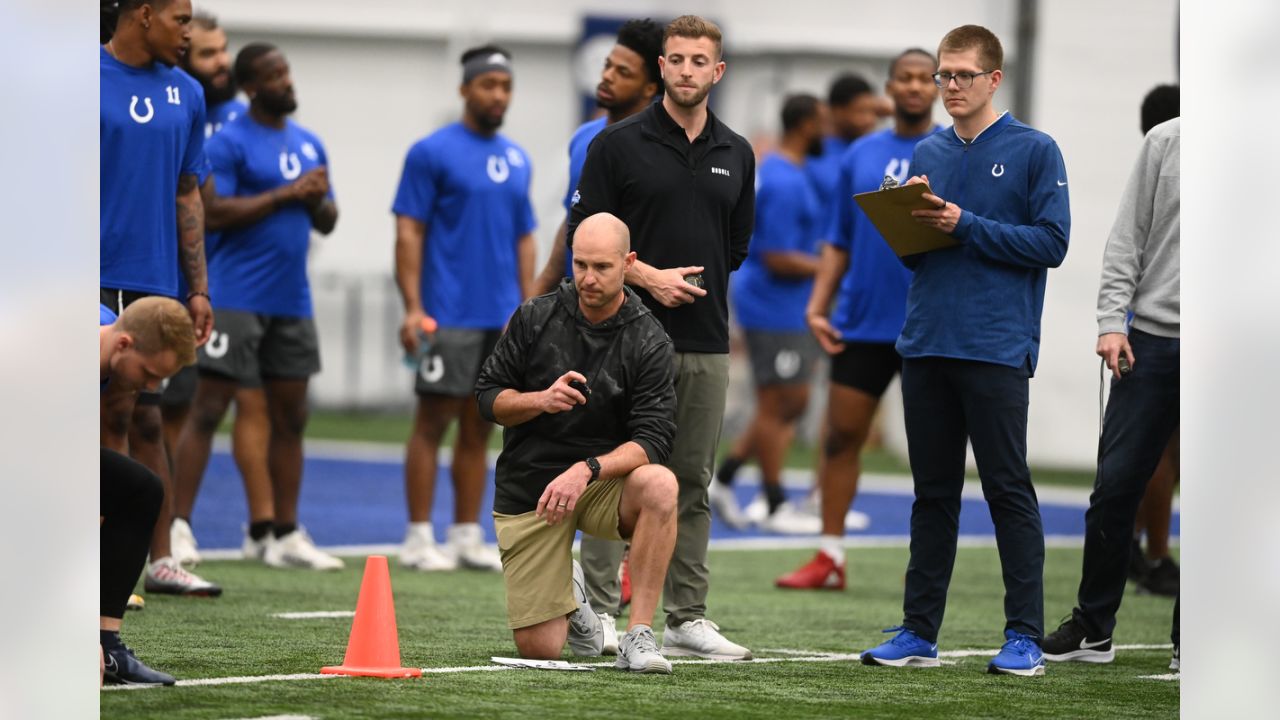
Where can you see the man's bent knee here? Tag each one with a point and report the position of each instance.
(659, 487)
(544, 641)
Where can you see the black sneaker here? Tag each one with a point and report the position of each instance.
(1070, 643)
(122, 668)
(1138, 565)
(1161, 579)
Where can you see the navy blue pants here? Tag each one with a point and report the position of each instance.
(1141, 417)
(947, 402)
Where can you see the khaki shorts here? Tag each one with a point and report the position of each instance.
(537, 558)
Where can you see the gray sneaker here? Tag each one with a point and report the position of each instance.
(638, 652)
(586, 632)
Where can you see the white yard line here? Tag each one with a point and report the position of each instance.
(315, 614)
(281, 717)
(806, 656)
(1167, 677)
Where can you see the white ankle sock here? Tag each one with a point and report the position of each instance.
(833, 547)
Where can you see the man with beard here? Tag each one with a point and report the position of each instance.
(769, 295)
(464, 261)
(272, 182)
(854, 109)
(208, 61)
(628, 83)
(151, 136)
(684, 183)
(869, 311)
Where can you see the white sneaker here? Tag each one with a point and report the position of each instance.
(420, 551)
(167, 577)
(855, 521)
(757, 510)
(725, 504)
(182, 543)
(467, 542)
(255, 549)
(789, 520)
(586, 632)
(701, 638)
(297, 550)
(639, 653)
(610, 634)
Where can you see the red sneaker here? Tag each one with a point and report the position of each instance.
(624, 573)
(820, 573)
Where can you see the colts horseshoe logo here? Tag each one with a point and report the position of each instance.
(498, 169)
(997, 170)
(431, 369)
(133, 110)
(217, 345)
(290, 166)
(898, 167)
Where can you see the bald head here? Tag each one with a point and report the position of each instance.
(602, 233)
(601, 256)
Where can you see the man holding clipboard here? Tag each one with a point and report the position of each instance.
(969, 347)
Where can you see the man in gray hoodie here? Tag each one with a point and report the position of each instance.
(1140, 275)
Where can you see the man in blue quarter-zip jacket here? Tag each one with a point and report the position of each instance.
(969, 347)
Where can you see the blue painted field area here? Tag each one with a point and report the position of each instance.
(360, 501)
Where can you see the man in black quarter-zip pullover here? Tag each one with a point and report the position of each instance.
(685, 185)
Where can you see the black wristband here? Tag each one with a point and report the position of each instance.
(194, 293)
(594, 466)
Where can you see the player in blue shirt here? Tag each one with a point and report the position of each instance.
(629, 81)
(464, 259)
(151, 137)
(769, 293)
(272, 191)
(854, 110)
(869, 286)
(969, 346)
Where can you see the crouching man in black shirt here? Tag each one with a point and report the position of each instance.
(582, 384)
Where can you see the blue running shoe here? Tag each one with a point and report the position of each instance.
(906, 649)
(1020, 656)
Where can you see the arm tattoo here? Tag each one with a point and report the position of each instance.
(191, 234)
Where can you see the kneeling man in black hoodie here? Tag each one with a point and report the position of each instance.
(582, 384)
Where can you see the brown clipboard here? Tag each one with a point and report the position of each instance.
(890, 211)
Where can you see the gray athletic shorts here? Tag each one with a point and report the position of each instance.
(781, 358)
(451, 366)
(247, 347)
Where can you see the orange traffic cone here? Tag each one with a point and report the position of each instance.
(374, 648)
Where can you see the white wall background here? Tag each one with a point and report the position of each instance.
(374, 76)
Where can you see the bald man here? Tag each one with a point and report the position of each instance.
(582, 381)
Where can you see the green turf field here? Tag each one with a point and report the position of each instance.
(457, 620)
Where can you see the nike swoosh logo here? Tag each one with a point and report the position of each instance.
(1086, 645)
(1061, 183)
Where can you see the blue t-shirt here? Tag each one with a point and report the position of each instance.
(578, 145)
(471, 192)
(150, 131)
(872, 300)
(262, 268)
(788, 219)
(217, 116)
(982, 300)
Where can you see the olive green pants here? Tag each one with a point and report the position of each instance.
(702, 381)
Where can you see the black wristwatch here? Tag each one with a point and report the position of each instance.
(594, 466)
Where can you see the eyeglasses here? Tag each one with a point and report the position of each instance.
(964, 80)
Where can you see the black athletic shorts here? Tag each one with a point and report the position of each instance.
(868, 367)
(118, 300)
(247, 347)
(452, 364)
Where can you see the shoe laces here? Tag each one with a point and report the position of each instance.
(1020, 644)
(642, 640)
(703, 626)
(904, 638)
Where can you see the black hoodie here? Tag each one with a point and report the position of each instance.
(627, 361)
